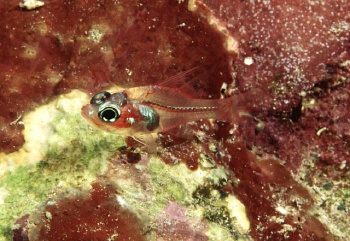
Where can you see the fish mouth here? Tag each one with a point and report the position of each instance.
(87, 111)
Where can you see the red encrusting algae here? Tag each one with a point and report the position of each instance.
(298, 50)
(277, 206)
(97, 216)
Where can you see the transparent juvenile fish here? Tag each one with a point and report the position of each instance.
(156, 108)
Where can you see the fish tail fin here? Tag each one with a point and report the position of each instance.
(243, 105)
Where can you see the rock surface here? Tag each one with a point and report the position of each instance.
(285, 167)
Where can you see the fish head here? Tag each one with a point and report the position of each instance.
(110, 112)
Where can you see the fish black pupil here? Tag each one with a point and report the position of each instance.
(109, 114)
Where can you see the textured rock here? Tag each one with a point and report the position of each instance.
(287, 163)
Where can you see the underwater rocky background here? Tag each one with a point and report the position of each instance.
(281, 173)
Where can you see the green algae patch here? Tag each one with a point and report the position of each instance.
(172, 181)
(198, 191)
(68, 159)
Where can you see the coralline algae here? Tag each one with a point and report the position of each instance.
(281, 174)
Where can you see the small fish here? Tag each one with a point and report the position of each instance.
(156, 108)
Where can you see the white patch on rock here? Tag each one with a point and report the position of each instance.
(238, 214)
(39, 130)
(231, 44)
(31, 4)
(248, 61)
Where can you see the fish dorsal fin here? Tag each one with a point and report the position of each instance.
(192, 82)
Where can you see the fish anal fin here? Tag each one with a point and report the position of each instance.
(147, 142)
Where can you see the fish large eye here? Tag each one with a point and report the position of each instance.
(109, 112)
(100, 98)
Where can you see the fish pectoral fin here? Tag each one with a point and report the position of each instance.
(148, 142)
